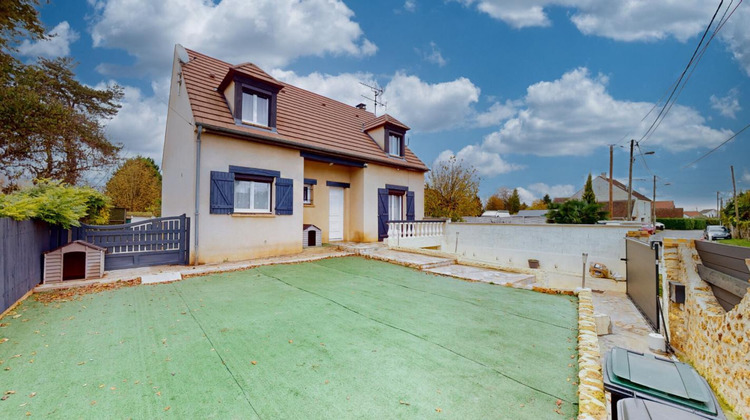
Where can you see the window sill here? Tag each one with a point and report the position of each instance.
(254, 125)
(253, 215)
(308, 204)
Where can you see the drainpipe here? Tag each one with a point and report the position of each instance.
(197, 189)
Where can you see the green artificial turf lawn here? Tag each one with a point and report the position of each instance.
(337, 338)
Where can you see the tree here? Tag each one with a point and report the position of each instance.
(136, 186)
(56, 203)
(499, 200)
(51, 125)
(495, 203)
(588, 191)
(538, 205)
(547, 200)
(514, 202)
(575, 212)
(451, 190)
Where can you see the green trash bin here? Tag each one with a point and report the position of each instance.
(638, 409)
(629, 374)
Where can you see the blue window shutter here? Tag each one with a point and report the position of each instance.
(284, 196)
(222, 192)
(410, 205)
(382, 213)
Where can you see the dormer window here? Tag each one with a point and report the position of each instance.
(255, 109)
(394, 144)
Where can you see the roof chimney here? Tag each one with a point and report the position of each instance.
(361, 106)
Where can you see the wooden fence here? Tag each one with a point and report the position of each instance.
(724, 268)
(21, 248)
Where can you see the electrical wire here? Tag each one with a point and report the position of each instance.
(662, 114)
(717, 147)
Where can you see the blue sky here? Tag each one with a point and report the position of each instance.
(529, 92)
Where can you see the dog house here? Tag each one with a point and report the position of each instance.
(77, 260)
(311, 236)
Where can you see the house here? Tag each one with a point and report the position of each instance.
(641, 205)
(710, 213)
(667, 209)
(252, 160)
(694, 215)
(496, 213)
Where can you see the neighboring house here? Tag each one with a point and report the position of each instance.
(496, 213)
(694, 215)
(667, 209)
(252, 160)
(710, 213)
(641, 205)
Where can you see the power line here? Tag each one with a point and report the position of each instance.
(717, 147)
(662, 113)
(722, 21)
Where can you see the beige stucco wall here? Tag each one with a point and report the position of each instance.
(377, 176)
(178, 157)
(229, 95)
(378, 135)
(318, 213)
(239, 237)
(714, 341)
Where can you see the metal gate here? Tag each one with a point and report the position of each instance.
(165, 240)
(642, 262)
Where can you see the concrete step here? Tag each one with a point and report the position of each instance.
(485, 275)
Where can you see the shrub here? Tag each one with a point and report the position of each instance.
(56, 203)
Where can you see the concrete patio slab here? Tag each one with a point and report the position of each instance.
(484, 275)
(629, 328)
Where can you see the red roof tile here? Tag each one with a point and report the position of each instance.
(382, 120)
(304, 120)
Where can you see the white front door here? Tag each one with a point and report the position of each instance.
(336, 214)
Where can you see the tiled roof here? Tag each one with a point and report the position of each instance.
(304, 120)
(624, 187)
(383, 119)
(664, 205)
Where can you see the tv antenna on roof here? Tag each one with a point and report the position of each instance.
(377, 92)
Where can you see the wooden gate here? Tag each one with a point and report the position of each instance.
(643, 278)
(165, 240)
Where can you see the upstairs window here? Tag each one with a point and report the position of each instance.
(394, 145)
(255, 109)
(395, 207)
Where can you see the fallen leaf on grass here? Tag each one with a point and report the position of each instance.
(3, 398)
(32, 395)
(16, 316)
(439, 410)
(403, 402)
(4, 324)
(291, 341)
(167, 408)
(254, 363)
(4, 339)
(10, 392)
(93, 402)
(81, 363)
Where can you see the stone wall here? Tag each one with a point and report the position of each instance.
(714, 341)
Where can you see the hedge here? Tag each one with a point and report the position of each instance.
(687, 224)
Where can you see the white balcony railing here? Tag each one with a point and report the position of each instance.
(420, 233)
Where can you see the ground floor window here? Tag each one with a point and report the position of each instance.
(307, 194)
(395, 207)
(252, 196)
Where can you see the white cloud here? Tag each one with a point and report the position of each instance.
(422, 106)
(727, 106)
(575, 114)
(434, 55)
(430, 106)
(58, 45)
(141, 121)
(268, 32)
(410, 5)
(746, 176)
(486, 164)
(497, 113)
(633, 20)
(537, 191)
(345, 87)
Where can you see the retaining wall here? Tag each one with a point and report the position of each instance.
(557, 247)
(714, 341)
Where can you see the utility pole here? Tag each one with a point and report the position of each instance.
(653, 206)
(611, 203)
(630, 183)
(736, 224)
(718, 209)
